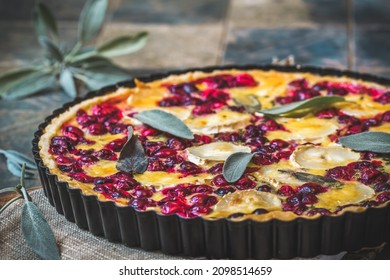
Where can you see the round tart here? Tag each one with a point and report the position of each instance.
(239, 162)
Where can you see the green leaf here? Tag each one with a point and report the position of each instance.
(67, 83)
(15, 169)
(123, 45)
(45, 22)
(9, 203)
(19, 158)
(304, 107)
(307, 177)
(38, 233)
(52, 50)
(12, 77)
(132, 156)
(29, 85)
(377, 142)
(235, 165)
(166, 122)
(100, 76)
(92, 19)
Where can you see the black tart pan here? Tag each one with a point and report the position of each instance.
(223, 238)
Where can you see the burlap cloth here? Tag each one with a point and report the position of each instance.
(77, 244)
(73, 243)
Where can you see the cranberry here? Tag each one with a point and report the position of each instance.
(201, 139)
(118, 128)
(311, 188)
(82, 177)
(341, 172)
(337, 91)
(219, 181)
(321, 211)
(72, 168)
(348, 120)
(264, 159)
(309, 199)
(189, 168)
(224, 190)
(156, 164)
(327, 113)
(265, 188)
(183, 89)
(180, 190)
(228, 137)
(235, 215)
(282, 100)
(370, 203)
(104, 109)
(356, 129)
(84, 120)
(245, 80)
(106, 154)
(303, 94)
(61, 145)
(278, 144)
(286, 190)
(216, 169)
(372, 176)
(142, 203)
(204, 200)
(251, 131)
(177, 144)
(72, 132)
(171, 207)
(383, 197)
(198, 210)
(97, 129)
(260, 211)
(116, 145)
(152, 147)
(64, 160)
(171, 101)
(299, 83)
(384, 98)
(148, 131)
(86, 160)
(164, 153)
(323, 85)
(245, 183)
(381, 187)
(202, 189)
(284, 155)
(142, 192)
(270, 125)
(386, 116)
(202, 110)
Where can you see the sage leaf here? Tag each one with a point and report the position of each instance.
(377, 142)
(166, 122)
(132, 156)
(5, 206)
(304, 107)
(15, 169)
(91, 19)
(38, 233)
(307, 177)
(52, 50)
(12, 77)
(29, 85)
(250, 103)
(235, 165)
(67, 83)
(123, 45)
(45, 23)
(19, 158)
(100, 76)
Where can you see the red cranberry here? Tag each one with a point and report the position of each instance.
(381, 187)
(180, 190)
(189, 168)
(64, 160)
(286, 190)
(337, 91)
(386, 116)
(383, 197)
(245, 80)
(303, 94)
(251, 131)
(202, 110)
(97, 129)
(84, 120)
(384, 98)
(340, 172)
(106, 154)
(165, 152)
(224, 190)
(61, 145)
(142, 192)
(202, 189)
(372, 176)
(118, 128)
(264, 159)
(156, 164)
(148, 131)
(327, 113)
(348, 120)
(104, 109)
(245, 183)
(228, 137)
(177, 144)
(82, 177)
(299, 83)
(278, 144)
(142, 203)
(284, 155)
(309, 199)
(152, 147)
(321, 211)
(323, 85)
(311, 188)
(270, 125)
(171, 101)
(171, 207)
(283, 100)
(216, 169)
(116, 145)
(219, 181)
(198, 210)
(201, 139)
(370, 203)
(204, 200)
(71, 168)
(86, 160)
(72, 132)
(183, 89)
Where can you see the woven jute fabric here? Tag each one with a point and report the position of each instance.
(73, 242)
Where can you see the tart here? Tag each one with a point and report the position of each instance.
(302, 193)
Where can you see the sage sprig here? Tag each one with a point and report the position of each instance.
(165, 122)
(15, 160)
(377, 142)
(36, 231)
(301, 108)
(132, 156)
(71, 67)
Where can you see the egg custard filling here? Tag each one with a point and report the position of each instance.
(298, 167)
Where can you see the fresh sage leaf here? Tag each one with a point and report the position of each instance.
(92, 19)
(45, 23)
(166, 122)
(132, 156)
(68, 83)
(250, 103)
(19, 158)
(307, 177)
(12, 77)
(15, 169)
(52, 50)
(235, 165)
(29, 85)
(100, 76)
(38, 233)
(304, 107)
(123, 45)
(377, 142)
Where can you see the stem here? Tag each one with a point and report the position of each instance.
(75, 49)
(9, 203)
(10, 189)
